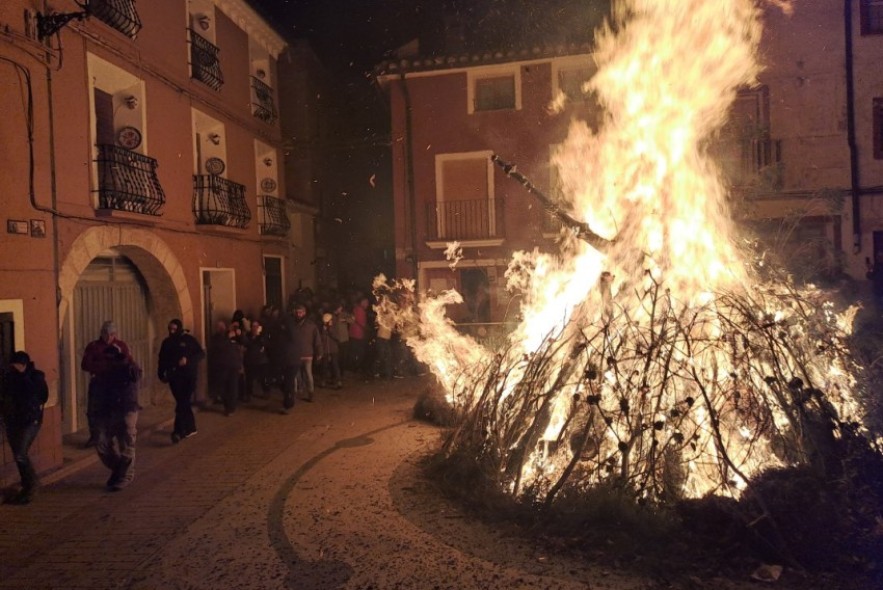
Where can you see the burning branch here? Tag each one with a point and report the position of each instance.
(583, 231)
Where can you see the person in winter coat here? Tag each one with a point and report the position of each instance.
(256, 359)
(116, 417)
(24, 394)
(224, 367)
(330, 353)
(178, 366)
(304, 344)
(95, 361)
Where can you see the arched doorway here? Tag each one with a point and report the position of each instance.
(162, 287)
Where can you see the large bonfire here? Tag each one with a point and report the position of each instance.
(660, 357)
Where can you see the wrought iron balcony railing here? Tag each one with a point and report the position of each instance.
(464, 220)
(262, 105)
(218, 201)
(127, 181)
(119, 14)
(204, 63)
(272, 216)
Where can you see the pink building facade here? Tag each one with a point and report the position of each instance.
(143, 180)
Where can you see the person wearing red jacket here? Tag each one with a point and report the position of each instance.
(96, 361)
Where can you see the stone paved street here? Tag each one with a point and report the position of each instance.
(326, 497)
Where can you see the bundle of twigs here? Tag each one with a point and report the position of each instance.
(682, 402)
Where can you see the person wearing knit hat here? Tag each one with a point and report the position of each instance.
(179, 357)
(24, 395)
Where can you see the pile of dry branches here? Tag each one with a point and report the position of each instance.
(682, 402)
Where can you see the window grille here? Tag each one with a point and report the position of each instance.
(273, 216)
(119, 14)
(204, 63)
(262, 105)
(127, 181)
(218, 201)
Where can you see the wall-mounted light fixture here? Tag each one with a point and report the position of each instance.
(260, 74)
(131, 102)
(214, 138)
(204, 22)
(268, 162)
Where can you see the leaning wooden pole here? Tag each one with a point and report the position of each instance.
(583, 231)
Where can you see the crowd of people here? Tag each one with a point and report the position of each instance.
(310, 343)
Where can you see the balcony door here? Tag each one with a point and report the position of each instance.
(464, 206)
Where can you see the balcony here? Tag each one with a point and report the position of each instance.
(127, 181)
(272, 216)
(218, 201)
(262, 105)
(119, 14)
(204, 63)
(478, 219)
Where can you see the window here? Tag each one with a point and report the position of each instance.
(125, 177)
(216, 200)
(872, 17)
(273, 284)
(465, 207)
(205, 65)
(494, 90)
(209, 145)
(119, 14)
(272, 213)
(746, 152)
(492, 94)
(878, 128)
(263, 105)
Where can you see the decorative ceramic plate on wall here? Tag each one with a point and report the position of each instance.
(215, 166)
(129, 138)
(268, 185)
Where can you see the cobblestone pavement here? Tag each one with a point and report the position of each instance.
(328, 496)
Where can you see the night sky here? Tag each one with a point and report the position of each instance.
(357, 34)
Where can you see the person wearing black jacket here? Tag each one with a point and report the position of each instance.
(116, 417)
(24, 394)
(179, 358)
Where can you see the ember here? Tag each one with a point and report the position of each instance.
(653, 352)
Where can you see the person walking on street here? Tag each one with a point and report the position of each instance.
(340, 329)
(116, 417)
(304, 344)
(24, 394)
(358, 342)
(224, 366)
(179, 358)
(255, 360)
(330, 353)
(95, 362)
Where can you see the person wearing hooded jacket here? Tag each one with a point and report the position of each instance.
(179, 358)
(24, 394)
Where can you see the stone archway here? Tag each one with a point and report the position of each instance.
(162, 272)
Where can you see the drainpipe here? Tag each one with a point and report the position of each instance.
(409, 176)
(855, 180)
